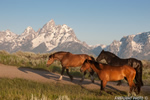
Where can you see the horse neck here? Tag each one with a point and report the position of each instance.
(111, 57)
(94, 68)
(59, 56)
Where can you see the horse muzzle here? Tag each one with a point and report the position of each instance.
(47, 65)
(81, 70)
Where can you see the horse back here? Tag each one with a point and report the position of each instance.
(74, 60)
(115, 73)
(111, 73)
(124, 68)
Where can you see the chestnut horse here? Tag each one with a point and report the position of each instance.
(108, 73)
(67, 60)
(114, 60)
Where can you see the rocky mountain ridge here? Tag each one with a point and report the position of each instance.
(52, 38)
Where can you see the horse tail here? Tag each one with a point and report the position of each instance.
(138, 77)
(140, 71)
(137, 65)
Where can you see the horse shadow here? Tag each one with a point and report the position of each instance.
(41, 72)
(49, 75)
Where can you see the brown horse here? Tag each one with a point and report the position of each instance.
(67, 60)
(108, 73)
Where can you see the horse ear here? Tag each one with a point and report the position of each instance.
(51, 56)
(86, 61)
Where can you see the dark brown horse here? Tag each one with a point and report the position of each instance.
(67, 60)
(114, 60)
(109, 73)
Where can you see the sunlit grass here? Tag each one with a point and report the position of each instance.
(20, 89)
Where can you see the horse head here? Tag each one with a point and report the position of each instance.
(101, 56)
(85, 66)
(108, 56)
(50, 60)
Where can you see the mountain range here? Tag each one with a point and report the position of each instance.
(52, 38)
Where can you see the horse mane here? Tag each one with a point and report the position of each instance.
(96, 64)
(60, 52)
(111, 54)
(57, 53)
(93, 59)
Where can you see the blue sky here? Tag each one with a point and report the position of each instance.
(93, 21)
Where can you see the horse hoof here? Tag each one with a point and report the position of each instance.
(109, 92)
(71, 79)
(100, 94)
(81, 80)
(93, 81)
(60, 78)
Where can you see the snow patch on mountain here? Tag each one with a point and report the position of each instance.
(97, 45)
(53, 37)
(136, 46)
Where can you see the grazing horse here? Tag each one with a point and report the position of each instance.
(109, 73)
(114, 60)
(67, 60)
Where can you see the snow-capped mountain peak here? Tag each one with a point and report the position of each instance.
(53, 37)
(51, 23)
(7, 35)
(97, 45)
(48, 27)
(28, 30)
(131, 45)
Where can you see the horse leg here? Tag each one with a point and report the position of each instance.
(67, 70)
(91, 74)
(131, 85)
(62, 72)
(83, 77)
(103, 85)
